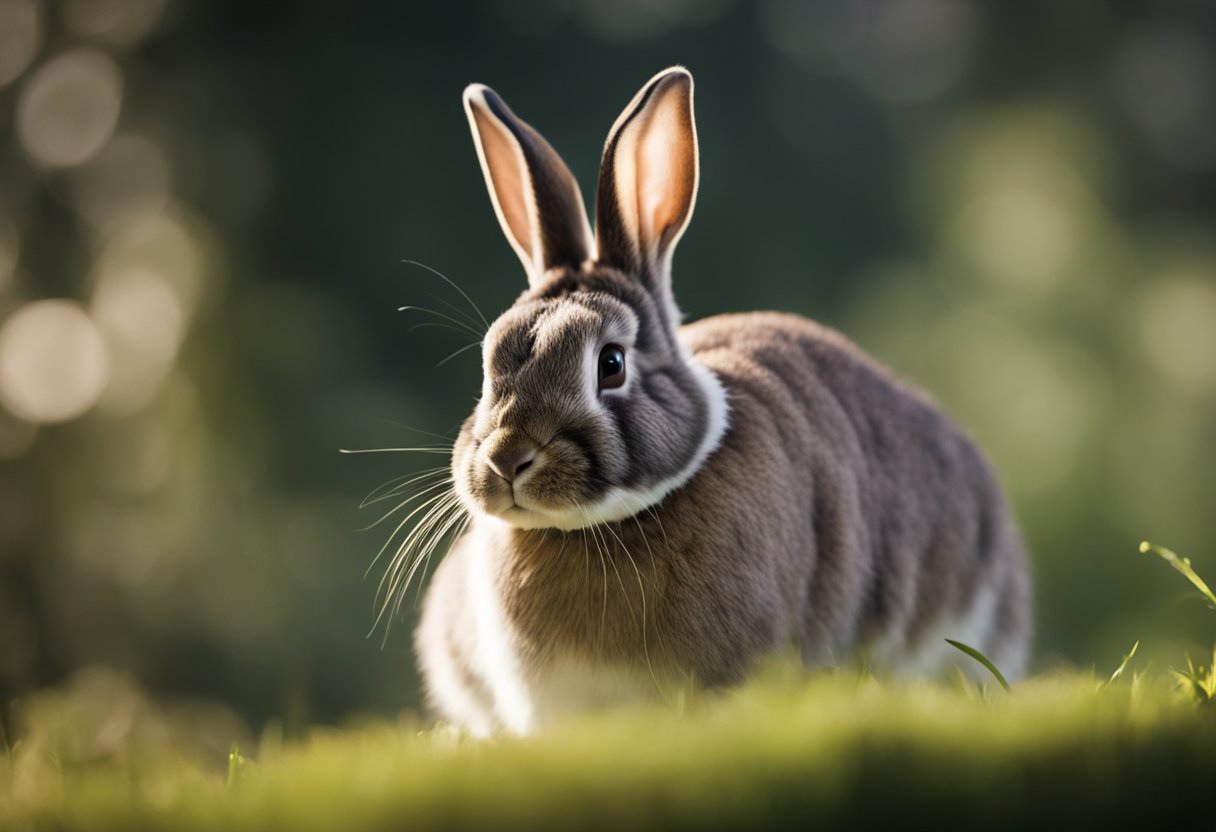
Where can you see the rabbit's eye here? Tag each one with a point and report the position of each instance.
(612, 367)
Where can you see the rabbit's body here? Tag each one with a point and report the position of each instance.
(757, 484)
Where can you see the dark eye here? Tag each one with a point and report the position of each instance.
(612, 367)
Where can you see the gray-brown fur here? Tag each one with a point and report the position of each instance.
(841, 512)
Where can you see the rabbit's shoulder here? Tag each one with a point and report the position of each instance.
(789, 347)
(805, 374)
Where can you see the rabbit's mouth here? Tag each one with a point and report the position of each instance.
(521, 506)
(542, 488)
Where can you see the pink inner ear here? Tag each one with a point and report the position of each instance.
(666, 170)
(510, 183)
(657, 169)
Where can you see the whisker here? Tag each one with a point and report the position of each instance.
(463, 349)
(587, 529)
(385, 488)
(400, 526)
(464, 316)
(655, 514)
(425, 536)
(423, 554)
(398, 488)
(438, 324)
(456, 535)
(612, 562)
(658, 633)
(443, 316)
(422, 450)
(406, 502)
(451, 283)
(447, 440)
(642, 592)
(441, 505)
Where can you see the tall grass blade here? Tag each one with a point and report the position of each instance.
(1122, 665)
(981, 658)
(1183, 565)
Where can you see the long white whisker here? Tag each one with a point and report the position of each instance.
(423, 450)
(460, 530)
(443, 325)
(463, 349)
(642, 592)
(400, 526)
(389, 489)
(446, 440)
(456, 322)
(587, 529)
(451, 283)
(395, 488)
(612, 563)
(443, 504)
(456, 310)
(420, 493)
(423, 535)
(422, 555)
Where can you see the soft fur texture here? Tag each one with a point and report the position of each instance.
(757, 483)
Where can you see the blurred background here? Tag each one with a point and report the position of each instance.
(205, 208)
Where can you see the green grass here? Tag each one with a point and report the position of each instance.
(828, 750)
(840, 749)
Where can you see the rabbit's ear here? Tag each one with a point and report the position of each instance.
(648, 177)
(534, 194)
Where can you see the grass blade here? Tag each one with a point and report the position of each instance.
(1183, 565)
(981, 658)
(1122, 665)
(236, 765)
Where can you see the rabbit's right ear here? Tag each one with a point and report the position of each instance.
(534, 194)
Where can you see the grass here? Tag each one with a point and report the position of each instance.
(827, 750)
(839, 749)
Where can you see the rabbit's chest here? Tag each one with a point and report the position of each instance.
(533, 680)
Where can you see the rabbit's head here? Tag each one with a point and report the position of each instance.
(590, 409)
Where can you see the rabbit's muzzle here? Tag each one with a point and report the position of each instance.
(509, 454)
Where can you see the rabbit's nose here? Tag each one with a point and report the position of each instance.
(512, 460)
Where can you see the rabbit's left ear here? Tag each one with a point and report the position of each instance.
(648, 178)
(534, 194)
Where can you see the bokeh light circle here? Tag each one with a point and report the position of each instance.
(141, 319)
(53, 363)
(121, 22)
(20, 37)
(69, 108)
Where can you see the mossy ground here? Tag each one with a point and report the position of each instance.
(826, 751)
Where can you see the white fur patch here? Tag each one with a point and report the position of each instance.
(527, 698)
(574, 685)
(459, 703)
(930, 654)
(495, 658)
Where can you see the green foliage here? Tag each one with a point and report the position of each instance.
(1199, 681)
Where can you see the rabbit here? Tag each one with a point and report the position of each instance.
(653, 507)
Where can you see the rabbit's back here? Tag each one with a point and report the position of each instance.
(884, 526)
